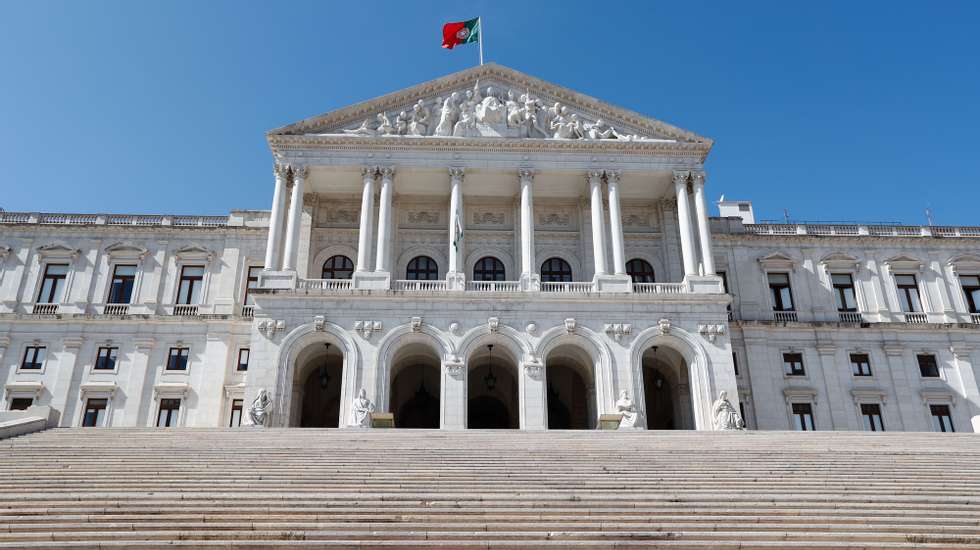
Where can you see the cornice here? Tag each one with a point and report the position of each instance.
(927, 242)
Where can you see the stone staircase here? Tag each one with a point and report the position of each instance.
(312, 488)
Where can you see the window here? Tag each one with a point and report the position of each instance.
(337, 267)
(489, 269)
(105, 359)
(177, 359)
(971, 287)
(803, 417)
(53, 284)
(942, 421)
(33, 358)
(928, 367)
(422, 268)
(793, 364)
(191, 281)
(641, 271)
(94, 413)
(251, 283)
(121, 289)
(872, 417)
(844, 291)
(236, 413)
(167, 417)
(908, 293)
(21, 403)
(782, 296)
(243, 359)
(735, 362)
(860, 364)
(556, 270)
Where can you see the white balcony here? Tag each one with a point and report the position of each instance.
(45, 309)
(850, 317)
(403, 285)
(325, 284)
(658, 288)
(185, 310)
(115, 309)
(493, 286)
(248, 311)
(567, 288)
(916, 318)
(785, 316)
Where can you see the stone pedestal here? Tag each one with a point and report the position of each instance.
(371, 280)
(612, 283)
(704, 284)
(277, 280)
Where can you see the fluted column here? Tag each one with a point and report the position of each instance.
(528, 269)
(384, 219)
(367, 218)
(455, 220)
(704, 228)
(275, 218)
(684, 222)
(598, 224)
(295, 215)
(616, 223)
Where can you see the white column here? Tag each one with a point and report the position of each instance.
(528, 269)
(455, 219)
(598, 223)
(275, 219)
(295, 217)
(704, 228)
(384, 220)
(616, 223)
(684, 222)
(367, 218)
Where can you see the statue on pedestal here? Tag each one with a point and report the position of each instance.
(626, 408)
(420, 120)
(259, 410)
(448, 115)
(724, 415)
(360, 413)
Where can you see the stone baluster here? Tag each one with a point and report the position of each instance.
(384, 220)
(684, 222)
(367, 218)
(295, 218)
(598, 223)
(275, 218)
(704, 228)
(616, 223)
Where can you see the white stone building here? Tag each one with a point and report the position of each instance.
(491, 250)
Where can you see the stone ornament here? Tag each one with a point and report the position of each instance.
(454, 327)
(531, 328)
(626, 407)
(453, 366)
(416, 324)
(711, 331)
(663, 326)
(724, 415)
(493, 324)
(618, 331)
(270, 327)
(318, 322)
(360, 412)
(367, 328)
(570, 325)
(488, 218)
(261, 409)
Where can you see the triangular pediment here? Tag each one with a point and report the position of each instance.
(490, 102)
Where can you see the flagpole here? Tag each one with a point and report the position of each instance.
(480, 38)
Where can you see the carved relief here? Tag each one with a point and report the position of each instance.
(423, 218)
(488, 218)
(555, 218)
(341, 216)
(367, 328)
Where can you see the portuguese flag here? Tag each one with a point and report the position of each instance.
(461, 32)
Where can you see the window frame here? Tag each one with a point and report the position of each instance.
(62, 285)
(237, 405)
(112, 283)
(777, 302)
(972, 304)
(186, 357)
(548, 276)
(85, 412)
(903, 290)
(98, 356)
(173, 419)
(249, 279)
(413, 270)
(799, 418)
(334, 269)
(840, 294)
(868, 418)
(936, 420)
(935, 364)
(498, 267)
(790, 371)
(648, 274)
(13, 398)
(192, 279)
(23, 358)
(248, 356)
(860, 372)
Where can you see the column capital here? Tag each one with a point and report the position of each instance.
(612, 176)
(387, 172)
(525, 174)
(280, 170)
(697, 177)
(299, 171)
(594, 176)
(369, 172)
(456, 172)
(681, 176)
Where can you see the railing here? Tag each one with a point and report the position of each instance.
(115, 309)
(861, 229)
(658, 288)
(850, 317)
(15, 217)
(199, 221)
(916, 318)
(112, 219)
(45, 309)
(493, 286)
(185, 310)
(785, 316)
(325, 284)
(125, 219)
(567, 288)
(75, 219)
(248, 312)
(419, 286)
(975, 317)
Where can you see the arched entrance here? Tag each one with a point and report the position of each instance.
(492, 389)
(666, 390)
(571, 389)
(317, 386)
(415, 391)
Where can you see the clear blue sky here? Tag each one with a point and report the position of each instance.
(834, 110)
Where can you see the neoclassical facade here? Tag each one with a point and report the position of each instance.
(489, 250)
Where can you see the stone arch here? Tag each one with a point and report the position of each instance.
(593, 344)
(545, 254)
(397, 338)
(292, 345)
(515, 351)
(687, 345)
(431, 251)
(512, 273)
(661, 273)
(315, 268)
(514, 341)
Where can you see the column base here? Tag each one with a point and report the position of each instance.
(456, 280)
(530, 282)
(371, 280)
(612, 283)
(704, 284)
(277, 279)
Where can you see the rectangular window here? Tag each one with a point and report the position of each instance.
(844, 291)
(243, 359)
(33, 358)
(191, 281)
(178, 359)
(121, 289)
(21, 403)
(860, 364)
(942, 421)
(928, 367)
(236, 413)
(908, 293)
(971, 287)
(872, 417)
(106, 358)
(793, 364)
(803, 417)
(53, 284)
(94, 413)
(735, 362)
(169, 409)
(251, 283)
(782, 295)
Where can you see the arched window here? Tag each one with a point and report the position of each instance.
(556, 270)
(641, 271)
(422, 268)
(489, 268)
(337, 267)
